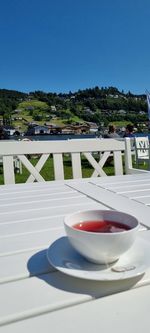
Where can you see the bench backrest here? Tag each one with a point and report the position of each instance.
(76, 148)
(142, 147)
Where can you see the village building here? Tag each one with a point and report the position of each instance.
(37, 130)
(93, 127)
(9, 130)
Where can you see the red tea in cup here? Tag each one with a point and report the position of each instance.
(101, 226)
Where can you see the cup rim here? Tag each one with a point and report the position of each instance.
(103, 211)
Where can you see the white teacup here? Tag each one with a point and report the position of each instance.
(101, 247)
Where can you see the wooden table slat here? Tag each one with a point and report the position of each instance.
(32, 293)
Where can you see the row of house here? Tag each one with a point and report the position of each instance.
(86, 128)
(49, 128)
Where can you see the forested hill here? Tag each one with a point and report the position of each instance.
(93, 104)
(102, 98)
(9, 99)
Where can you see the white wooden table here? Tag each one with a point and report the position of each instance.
(34, 296)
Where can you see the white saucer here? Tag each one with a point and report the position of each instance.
(134, 262)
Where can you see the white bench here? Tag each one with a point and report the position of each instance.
(142, 150)
(76, 148)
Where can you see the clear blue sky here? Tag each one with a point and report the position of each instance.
(66, 45)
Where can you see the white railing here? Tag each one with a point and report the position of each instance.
(56, 149)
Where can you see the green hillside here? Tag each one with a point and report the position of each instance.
(99, 105)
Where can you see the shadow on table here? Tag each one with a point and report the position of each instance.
(39, 266)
